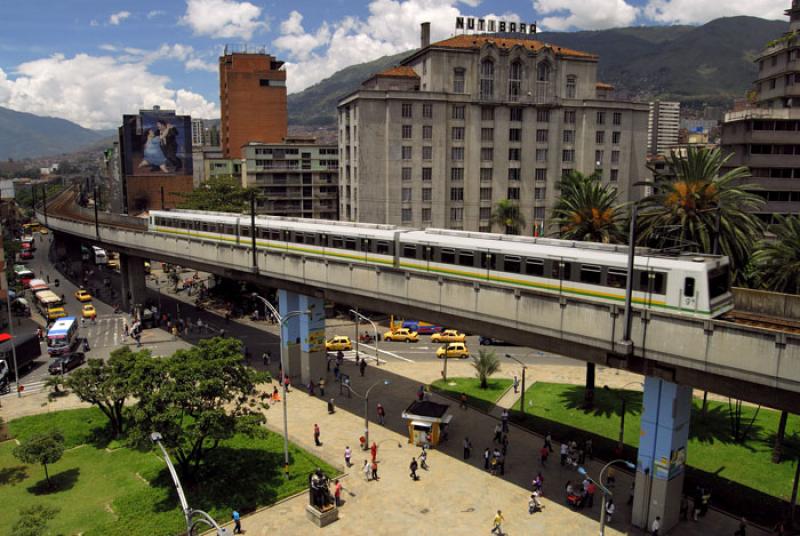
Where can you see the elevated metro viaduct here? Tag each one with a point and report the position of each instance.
(674, 353)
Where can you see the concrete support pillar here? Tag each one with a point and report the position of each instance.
(134, 287)
(290, 333)
(661, 461)
(312, 339)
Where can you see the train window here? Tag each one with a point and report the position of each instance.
(274, 235)
(591, 273)
(382, 247)
(285, 234)
(245, 231)
(466, 258)
(688, 287)
(311, 238)
(616, 278)
(427, 253)
(205, 226)
(338, 242)
(410, 251)
(488, 261)
(448, 256)
(299, 238)
(534, 267)
(562, 270)
(511, 264)
(718, 282)
(365, 244)
(653, 282)
(263, 233)
(350, 243)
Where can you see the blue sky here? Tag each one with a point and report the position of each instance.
(92, 60)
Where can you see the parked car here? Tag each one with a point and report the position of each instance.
(453, 350)
(401, 335)
(489, 341)
(337, 343)
(66, 362)
(448, 335)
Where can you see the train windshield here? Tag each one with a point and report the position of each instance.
(718, 282)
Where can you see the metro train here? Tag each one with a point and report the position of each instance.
(688, 284)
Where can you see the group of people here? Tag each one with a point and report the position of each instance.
(572, 455)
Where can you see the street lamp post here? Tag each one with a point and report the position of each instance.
(621, 396)
(606, 492)
(189, 514)
(524, 368)
(11, 332)
(374, 328)
(365, 396)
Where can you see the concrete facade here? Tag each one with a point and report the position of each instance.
(475, 119)
(298, 178)
(663, 126)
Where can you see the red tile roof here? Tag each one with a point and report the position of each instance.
(603, 85)
(477, 41)
(401, 71)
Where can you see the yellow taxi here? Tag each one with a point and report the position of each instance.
(401, 335)
(43, 230)
(453, 350)
(54, 313)
(89, 311)
(82, 295)
(113, 264)
(448, 335)
(339, 342)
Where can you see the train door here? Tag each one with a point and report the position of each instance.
(561, 270)
(689, 294)
(488, 262)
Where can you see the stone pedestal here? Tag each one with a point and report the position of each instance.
(322, 519)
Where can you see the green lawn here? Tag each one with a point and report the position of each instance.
(105, 489)
(481, 398)
(710, 449)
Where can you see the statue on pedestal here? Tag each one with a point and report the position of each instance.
(319, 495)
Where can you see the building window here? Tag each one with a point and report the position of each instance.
(406, 173)
(427, 194)
(457, 153)
(487, 134)
(541, 135)
(569, 136)
(406, 214)
(514, 134)
(572, 83)
(515, 114)
(487, 154)
(543, 72)
(568, 155)
(615, 137)
(406, 193)
(456, 174)
(487, 113)
(538, 193)
(514, 153)
(774, 60)
(513, 174)
(486, 194)
(427, 174)
(617, 118)
(598, 158)
(541, 174)
(426, 214)
(427, 152)
(406, 152)
(513, 193)
(614, 175)
(541, 155)
(406, 132)
(485, 213)
(515, 81)
(566, 171)
(458, 111)
(569, 117)
(407, 109)
(543, 116)
(456, 214)
(486, 174)
(457, 133)
(538, 213)
(427, 111)
(458, 80)
(615, 157)
(487, 79)
(600, 136)
(427, 132)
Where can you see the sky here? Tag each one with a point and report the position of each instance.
(90, 61)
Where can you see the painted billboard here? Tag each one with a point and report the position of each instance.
(157, 142)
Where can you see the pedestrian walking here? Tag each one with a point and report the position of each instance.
(611, 478)
(591, 489)
(375, 470)
(656, 526)
(316, 435)
(310, 387)
(610, 509)
(347, 455)
(337, 492)
(516, 384)
(336, 372)
(264, 359)
(413, 468)
(362, 366)
(462, 401)
(548, 442)
(504, 445)
(331, 407)
(543, 454)
(420, 393)
(373, 450)
(504, 420)
(125, 329)
(498, 523)
(467, 448)
(538, 482)
(486, 456)
(564, 451)
(423, 459)
(381, 414)
(321, 385)
(498, 433)
(237, 523)
(587, 448)
(366, 469)
(287, 383)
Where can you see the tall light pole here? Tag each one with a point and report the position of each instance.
(606, 492)
(365, 396)
(524, 368)
(621, 396)
(374, 328)
(11, 332)
(189, 514)
(281, 322)
(628, 326)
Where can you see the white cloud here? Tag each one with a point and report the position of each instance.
(108, 47)
(695, 12)
(223, 19)
(298, 43)
(94, 91)
(584, 14)
(471, 3)
(118, 17)
(197, 64)
(155, 13)
(94, 23)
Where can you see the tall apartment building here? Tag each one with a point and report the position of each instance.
(297, 178)
(252, 94)
(663, 126)
(766, 136)
(198, 133)
(466, 122)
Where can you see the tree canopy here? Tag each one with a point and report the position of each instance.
(43, 449)
(485, 364)
(777, 261)
(587, 210)
(508, 216)
(223, 194)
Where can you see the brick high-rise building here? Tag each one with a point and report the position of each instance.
(252, 90)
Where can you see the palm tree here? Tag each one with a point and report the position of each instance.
(777, 262)
(485, 363)
(698, 203)
(507, 215)
(587, 210)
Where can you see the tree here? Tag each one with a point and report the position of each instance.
(222, 194)
(108, 384)
(485, 364)
(587, 210)
(196, 398)
(54, 383)
(697, 203)
(43, 448)
(33, 520)
(777, 261)
(508, 216)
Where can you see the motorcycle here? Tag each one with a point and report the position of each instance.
(366, 339)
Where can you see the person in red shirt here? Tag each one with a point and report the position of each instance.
(374, 450)
(544, 452)
(591, 489)
(337, 492)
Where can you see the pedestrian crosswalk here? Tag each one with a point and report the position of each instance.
(104, 332)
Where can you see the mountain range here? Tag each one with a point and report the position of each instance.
(697, 65)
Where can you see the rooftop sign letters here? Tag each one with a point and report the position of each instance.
(471, 24)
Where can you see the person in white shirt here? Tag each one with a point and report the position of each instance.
(610, 509)
(654, 528)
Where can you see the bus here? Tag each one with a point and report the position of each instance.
(50, 305)
(32, 227)
(100, 256)
(62, 337)
(38, 285)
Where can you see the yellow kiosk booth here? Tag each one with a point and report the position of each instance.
(427, 422)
